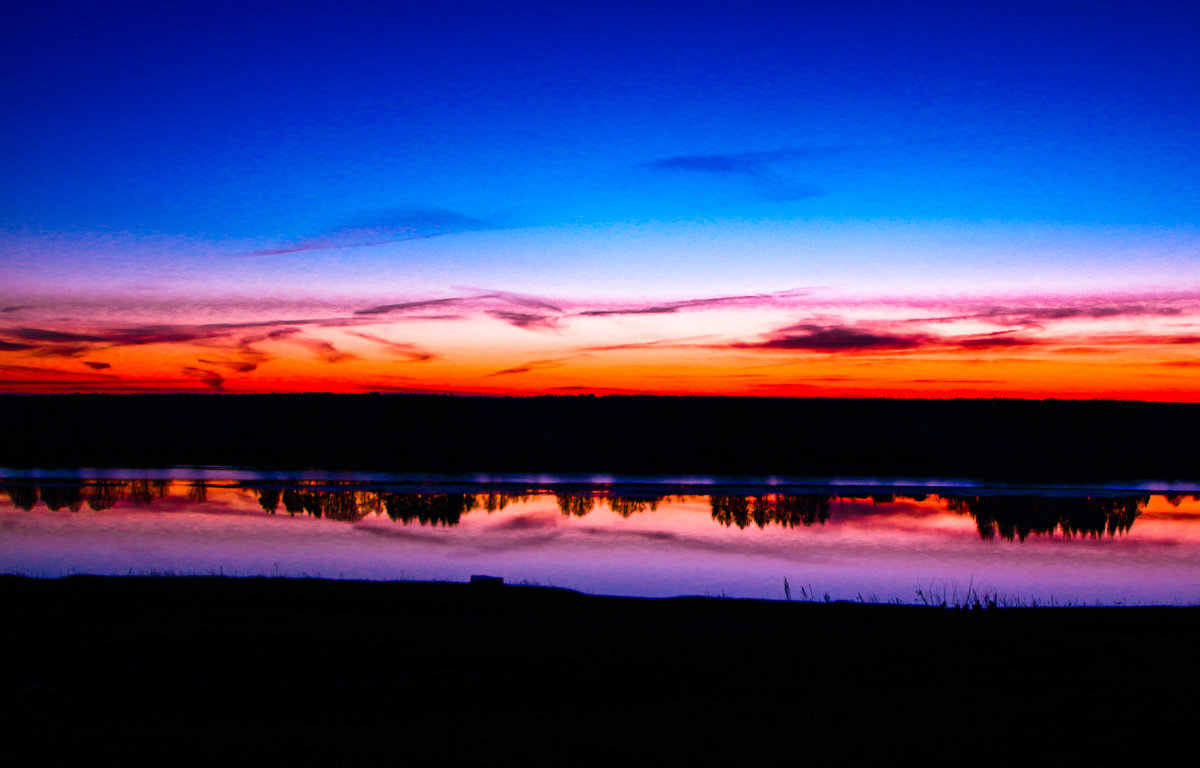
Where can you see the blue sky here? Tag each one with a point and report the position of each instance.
(275, 121)
(192, 155)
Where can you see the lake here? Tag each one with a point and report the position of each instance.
(910, 541)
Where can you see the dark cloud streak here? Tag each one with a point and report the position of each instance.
(813, 337)
(1035, 316)
(211, 378)
(517, 299)
(42, 334)
(526, 320)
(527, 367)
(233, 365)
(381, 227)
(63, 350)
(816, 338)
(755, 167)
(991, 341)
(406, 306)
(688, 341)
(412, 352)
(671, 307)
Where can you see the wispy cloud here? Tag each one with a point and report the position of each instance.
(323, 349)
(527, 320)
(1051, 309)
(1143, 339)
(62, 350)
(225, 350)
(657, 309)
(530, 366)
(211, 378)
(237, 366)
(409, 306)
(687, 341)
(815, 337)
(26, 370)
(42, 342)
(518, 309)
(996, 340)
(381, 227)
(326, 350)
(759, 169)
(43, 334)
(514, 308)
(409, 351)
(515, 299)
(775, 298)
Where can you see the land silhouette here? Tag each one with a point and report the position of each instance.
(208, 671)
(991, 439)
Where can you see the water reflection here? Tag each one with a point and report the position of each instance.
(781, 509)
(1018, 517)
(577, 506)
(1013, 518)
(616, 539)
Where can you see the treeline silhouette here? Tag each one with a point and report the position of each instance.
(787, 510)
(999, 439)
(1016, 517)
(98, 495)
(1009, 517)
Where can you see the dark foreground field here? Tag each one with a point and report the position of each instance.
(210, 670)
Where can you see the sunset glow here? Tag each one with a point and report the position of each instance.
(1111, 345)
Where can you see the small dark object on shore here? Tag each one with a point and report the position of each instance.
(480, 580)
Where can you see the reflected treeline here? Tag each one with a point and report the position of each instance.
(97, 495)
(1017, 517)
(336, 501)
(783, 509)
(576, 506)
(1009, 517)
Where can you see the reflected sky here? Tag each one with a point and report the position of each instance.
(1108, 548)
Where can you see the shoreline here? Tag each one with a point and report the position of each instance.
(969, 601)
(627, 484)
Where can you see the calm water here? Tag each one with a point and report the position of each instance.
(676, 537)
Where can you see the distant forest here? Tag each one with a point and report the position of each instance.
(987, 439)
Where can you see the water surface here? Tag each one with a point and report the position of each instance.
(908, 542)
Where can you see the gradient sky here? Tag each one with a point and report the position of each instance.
(958, 199)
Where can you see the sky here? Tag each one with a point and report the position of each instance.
(804, 199)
